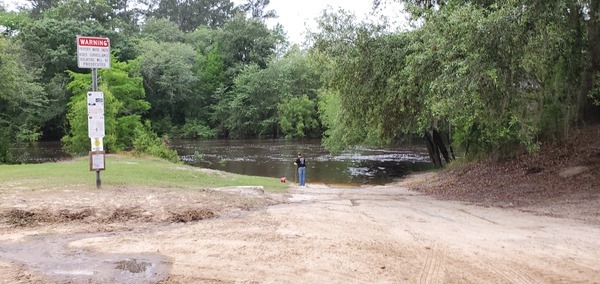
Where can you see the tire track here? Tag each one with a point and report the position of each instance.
(512, 275)
(430, 273)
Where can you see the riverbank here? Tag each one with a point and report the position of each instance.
(559, 180)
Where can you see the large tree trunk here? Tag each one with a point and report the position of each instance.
(434, 153)
(436, 147)
(439, 142)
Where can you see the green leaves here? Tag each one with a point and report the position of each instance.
(366, 95)
(502, 74)
(252, 108)
(243, 42)
(12, 22)
(161, 30)
(123, 106)
(167, 70)
(188, 15)
(22, 101)
(296, 116)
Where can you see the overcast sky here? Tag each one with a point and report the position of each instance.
(296, 15)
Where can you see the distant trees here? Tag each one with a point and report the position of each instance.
(253, 107)
(21, 101)
(189, 15)
(258, 9)
(486, 77)
(169, 81)
(206, 68)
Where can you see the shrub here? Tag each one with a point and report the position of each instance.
(147, 142)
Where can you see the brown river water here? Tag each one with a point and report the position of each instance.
(275, 158)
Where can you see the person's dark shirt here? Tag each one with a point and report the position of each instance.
(301, 162)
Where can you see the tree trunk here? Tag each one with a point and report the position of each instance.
(436, 147)
(434, 153)
(439, 143)
(449, 141)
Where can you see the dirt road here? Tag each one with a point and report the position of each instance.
(382, 234)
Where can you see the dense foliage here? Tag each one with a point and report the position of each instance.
(497, 75)
(491, 76)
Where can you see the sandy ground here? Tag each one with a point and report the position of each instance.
(315, 234)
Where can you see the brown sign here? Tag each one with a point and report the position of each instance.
(97, 161)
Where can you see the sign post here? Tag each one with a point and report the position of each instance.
(94, 53)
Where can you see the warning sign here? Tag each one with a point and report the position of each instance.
(93, 52)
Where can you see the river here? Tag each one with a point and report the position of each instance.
(275, 158)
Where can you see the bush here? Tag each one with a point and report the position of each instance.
(195, 129)
(147, 142)
(554, 122)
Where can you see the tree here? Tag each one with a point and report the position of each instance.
(50, 46)
(39, 7)
(113, 15)
(210, 71)
(297, 116)
(577, 20)
(109, 18)
(169, 81)
(124, 105)
(12, 22)
(499, 74)
(21, 101)
(366, 99)
(189, 15)
(161, 30)
(257, 9)
(243, 42)
(253, 106)
(51, 43)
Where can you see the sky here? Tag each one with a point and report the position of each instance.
(298, 15)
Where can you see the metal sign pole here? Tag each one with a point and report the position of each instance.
(95, 89)
(94, 53)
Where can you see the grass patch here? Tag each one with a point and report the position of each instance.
(123, 170)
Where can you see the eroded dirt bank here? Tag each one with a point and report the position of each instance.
(382, 234)
(561, 180)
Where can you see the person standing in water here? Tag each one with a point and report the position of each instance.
(301, 164)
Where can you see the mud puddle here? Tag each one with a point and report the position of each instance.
(53, 258)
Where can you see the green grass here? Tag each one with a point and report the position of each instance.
(123, 170)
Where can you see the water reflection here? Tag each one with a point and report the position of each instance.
(274, 158)
(40, 152)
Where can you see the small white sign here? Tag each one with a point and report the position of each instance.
(93, 52)
(95, 103)
(97, 161)
(95, 106)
